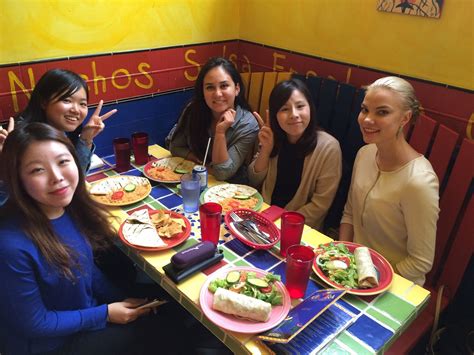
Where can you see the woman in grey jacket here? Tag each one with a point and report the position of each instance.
(218, 111)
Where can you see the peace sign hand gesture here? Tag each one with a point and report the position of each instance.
(265, 135)
(4, 132)
(96, 123)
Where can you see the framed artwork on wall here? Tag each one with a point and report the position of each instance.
(412, 7)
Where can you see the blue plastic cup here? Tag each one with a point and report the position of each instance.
(190, 186)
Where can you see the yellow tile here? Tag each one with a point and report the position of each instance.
(313, 237)
(192, 287)
(158, 152)
(400, 286)
(158, 259)
(417, 295)
(258, 347)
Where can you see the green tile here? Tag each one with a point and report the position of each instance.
(188, 243)
(353, 344)
(110, 173)
(334, 349)
(355, 301)
(395, 306)
(242, 263)
(383, 319)
(156, 205)
(148, 199)
(229, 255)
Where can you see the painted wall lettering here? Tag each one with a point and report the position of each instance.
(187, 75)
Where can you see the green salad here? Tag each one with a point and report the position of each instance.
(249, 284)
(338, 264)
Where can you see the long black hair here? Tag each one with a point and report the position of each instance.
(279, 96)
(90, 217)
(198, 115)
(55, 84)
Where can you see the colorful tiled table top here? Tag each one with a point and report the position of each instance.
(376, 321)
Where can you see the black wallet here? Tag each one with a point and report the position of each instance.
(178, 275)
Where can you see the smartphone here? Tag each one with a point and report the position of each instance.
(151, 304)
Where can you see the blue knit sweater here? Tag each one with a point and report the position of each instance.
(40, 308)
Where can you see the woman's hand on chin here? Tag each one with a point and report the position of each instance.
(225, 121)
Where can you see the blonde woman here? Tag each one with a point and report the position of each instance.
(392, 204)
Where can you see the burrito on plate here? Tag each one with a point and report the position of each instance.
(365, 268)
(241, 305)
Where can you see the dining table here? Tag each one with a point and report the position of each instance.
(354, 324)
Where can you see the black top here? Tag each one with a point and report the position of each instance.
(289, 171)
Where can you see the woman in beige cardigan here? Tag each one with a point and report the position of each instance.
(298, 166)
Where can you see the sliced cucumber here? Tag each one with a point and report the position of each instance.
(241, 197)
(233, 277)
(130, 187)
(258, 282)
(181, 171)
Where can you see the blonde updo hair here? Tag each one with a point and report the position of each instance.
(403, 88)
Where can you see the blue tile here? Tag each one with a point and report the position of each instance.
(312, 287)
(317, 334)
(279, 270)
(348, 306)
(262, 259)
(370, 332)
(160, 191)
(133, 172)
(171, 201)
(109, 159)
(238, 247)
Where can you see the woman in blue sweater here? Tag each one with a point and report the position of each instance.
(55, 299)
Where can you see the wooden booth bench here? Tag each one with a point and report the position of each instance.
(452, 157)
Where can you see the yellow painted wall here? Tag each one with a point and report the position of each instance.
(353, 31)
(44, 29)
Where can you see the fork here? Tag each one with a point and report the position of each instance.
(250, 223)
(249, 227)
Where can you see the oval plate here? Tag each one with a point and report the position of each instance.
(169, 163)
(116, 183)
(382, 266)
(220, 192)
(235, 324)
(170, 242)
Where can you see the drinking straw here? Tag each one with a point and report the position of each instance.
(207, 150)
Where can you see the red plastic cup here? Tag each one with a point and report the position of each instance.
(292, 224)
(122, 154)
(299, 260)
(140, 147)
(210, 215)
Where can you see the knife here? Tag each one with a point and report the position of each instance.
(247, 231)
